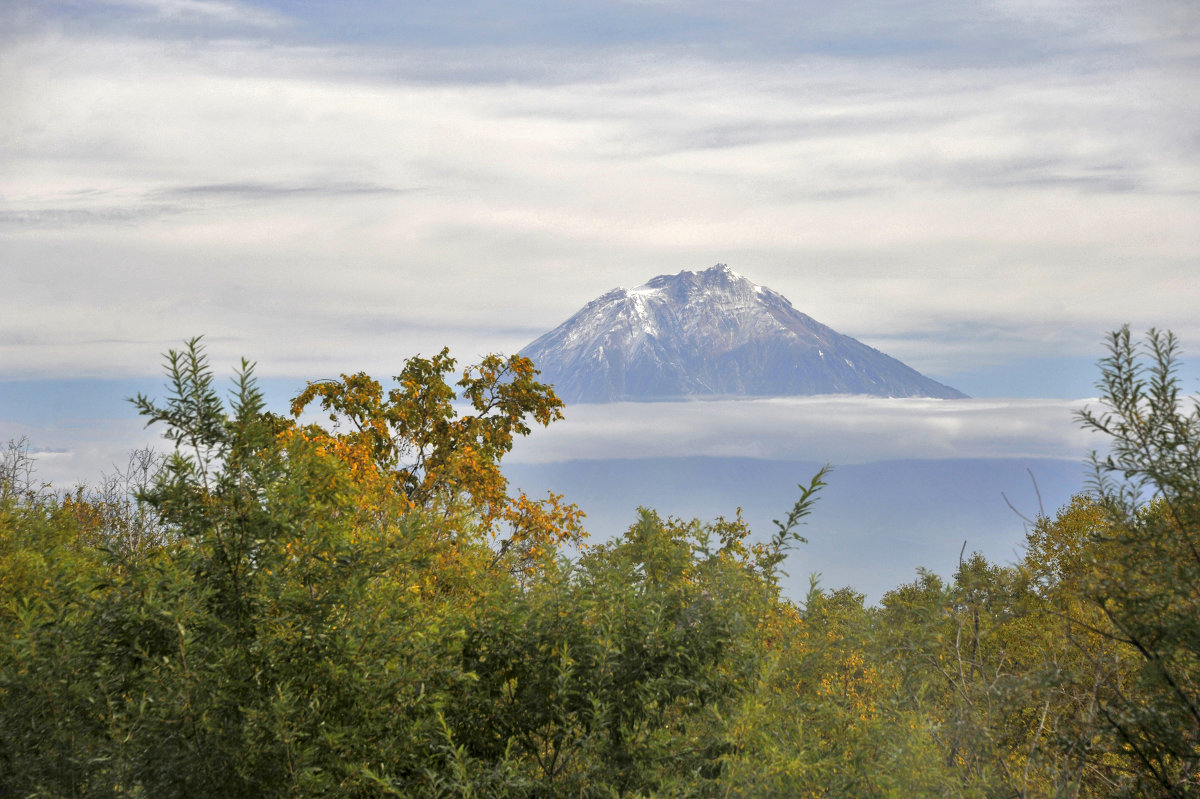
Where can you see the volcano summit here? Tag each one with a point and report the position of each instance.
(711, 334)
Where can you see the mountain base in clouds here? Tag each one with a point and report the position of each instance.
(873, 526)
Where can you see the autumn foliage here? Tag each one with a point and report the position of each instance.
(413, 448)
(361, 608)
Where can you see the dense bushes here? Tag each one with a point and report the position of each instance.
(289, 610)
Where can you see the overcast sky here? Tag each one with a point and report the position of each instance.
(981, 189)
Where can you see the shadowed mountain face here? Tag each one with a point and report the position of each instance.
(711, 334)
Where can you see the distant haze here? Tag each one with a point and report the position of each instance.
(872, 527)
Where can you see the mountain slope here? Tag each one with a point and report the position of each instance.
(708, 334)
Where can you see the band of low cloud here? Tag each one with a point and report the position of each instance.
(844, 429)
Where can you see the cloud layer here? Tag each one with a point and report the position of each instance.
(83, 428)
(1015, 187)
(842, 429)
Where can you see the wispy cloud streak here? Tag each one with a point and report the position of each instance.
(224, 11)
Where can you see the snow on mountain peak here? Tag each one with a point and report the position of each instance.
(710, 333)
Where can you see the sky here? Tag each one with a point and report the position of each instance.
(982, 189)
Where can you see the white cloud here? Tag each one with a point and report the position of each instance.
(843, 429)
(319, 210)
(81, 451)
(214, 10)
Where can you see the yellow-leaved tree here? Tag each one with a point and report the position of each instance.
(420, 446)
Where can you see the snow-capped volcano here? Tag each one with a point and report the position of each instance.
(709, 334)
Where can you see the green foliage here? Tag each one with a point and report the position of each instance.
(1146, 580)
(786, 536)
(277, 610)
(267, 618)
(605, 678)
(828, 715)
